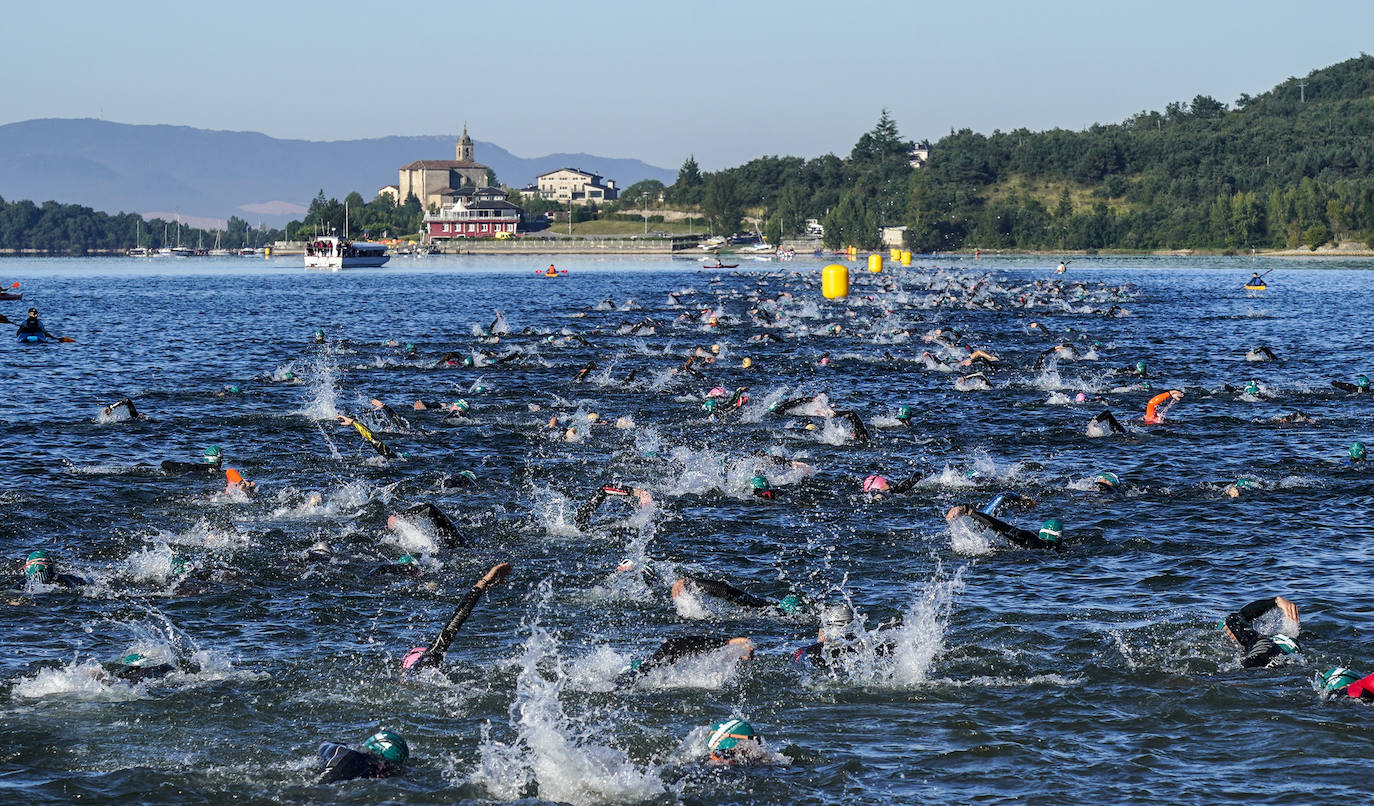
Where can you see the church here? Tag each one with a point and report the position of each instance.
(430, 179)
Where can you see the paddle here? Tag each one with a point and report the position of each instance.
(4, 320)
(1262, 276)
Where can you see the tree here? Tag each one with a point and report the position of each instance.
(689, 185)
(722, 203)
(650, 191)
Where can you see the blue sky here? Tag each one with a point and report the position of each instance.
(726, 81)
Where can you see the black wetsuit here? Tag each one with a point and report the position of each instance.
(443, 527)
(434, 653)
(898, 488)
(125, 403)
(1350, 387)
(582, 519)
(827, 655)
(1106, 418)
(723, 590)
(60, 580)
(1260, 650)
(673, 650)
(860, 433)
(377, 445)
(339, 762)
(175, 468)
(137, 674)
(396, 420)
(1021, 537)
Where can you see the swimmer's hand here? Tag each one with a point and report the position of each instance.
(494, 576)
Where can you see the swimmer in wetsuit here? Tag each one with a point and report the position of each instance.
(210, 463)
(1103, 424)
(582, 519)
(384, 754)
(123, 409)
(1359, 387)
(1160, 404)
(1260, 651)
(878, 487)
(424, 657)
(682, 647)
(834, 638)
(366, 433)
(443, 527)
(395, 420)
(1050, 535)
(1260, 353)
(1343, 682)
(691, 584)
(41, 568)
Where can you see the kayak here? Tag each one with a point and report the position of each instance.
(5, 295)
(1260, 287)
(32, 338)
(722, 266)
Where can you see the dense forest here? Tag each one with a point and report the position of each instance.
(1290, 167)
(73, 229)
(1293, 166)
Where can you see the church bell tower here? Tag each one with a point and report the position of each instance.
(465, 146)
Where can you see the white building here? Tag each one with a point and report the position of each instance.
(579, 187)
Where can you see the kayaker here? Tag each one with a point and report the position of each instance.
(32, 326)
(1255, 279)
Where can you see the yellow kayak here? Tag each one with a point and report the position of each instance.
(1249, 287)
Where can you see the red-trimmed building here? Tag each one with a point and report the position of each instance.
(472, 212)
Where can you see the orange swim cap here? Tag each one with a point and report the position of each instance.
(233, 476)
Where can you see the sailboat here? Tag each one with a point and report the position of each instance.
(139, 249)
(217, 251)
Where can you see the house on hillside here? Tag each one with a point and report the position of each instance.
(579, 187)
(428, 179)
(919, 155)
(392, 192)
(472, 212)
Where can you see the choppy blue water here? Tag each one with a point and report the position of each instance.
(1091, 674)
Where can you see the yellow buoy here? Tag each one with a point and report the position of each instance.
(875, 263)
(906, 258)
(267, 252)
(835, 281)
(894, 254)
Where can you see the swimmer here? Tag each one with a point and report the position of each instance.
(438, 521)
(878, 487)
(235, 483)
(582, 519)
(463, 478)
(904, 414)
(1139, 369)
(759, 487)
(835, 638)
(1103, 424)
(1259, 651)
(1050, 536)
(1357, 452)
(1260, 353)
(433, 655)
(121, 410)
(210, 463)
(856, 424)
(691, 584)
(734, 742)
(41, 568)
(1159, 405)
(1295, 418)
(383, 755)
(1234, 489)
(366, 433)
(970, 383)
(1359, 387)
(1342, 682)
(683, 647)
(1107, 482)
(405, 566)
(395, 420)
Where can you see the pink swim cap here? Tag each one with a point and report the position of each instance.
(875, 483)
(825, 361)
(1080, 398)
(413, 657)
(719, 391)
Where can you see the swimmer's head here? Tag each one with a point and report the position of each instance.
(1140, 367)
(904, 413)
(1252, 388)
(234, 389)
(288, 376)
(709, 405)
(1357, 451)
(1108, 480)
(465, 478)
(389, 746)
(876, 484)
(790, 603)
(319, 335)
(727, 734)
(1336, 680)
(836, 621)
(1052, 531)
(410, 348)
(1080, 398)
(213, 456)
(1362, 381)
(1284, 643)
(467, 361)
(405, 559)
(460, 406)
(759, 483)
(746, 363)
(134, 659)
(39, 566)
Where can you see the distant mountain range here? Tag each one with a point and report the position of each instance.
(207, 176)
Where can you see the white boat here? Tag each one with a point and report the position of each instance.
(332, 253)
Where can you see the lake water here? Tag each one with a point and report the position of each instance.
(1091, 674)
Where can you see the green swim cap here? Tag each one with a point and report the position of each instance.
(289, 376)
(462, 406)
(1140, 366)
(709, 405)
(410, 346)
(1283, 642)
(405, 559)
(319, 333)
(725, 735)
(1145, 385)
(469, 475)
(179, 566)
(759, 483)
(480, 390)
(1337, 679)
(234, 389)
(39, 565)
(904, 412)
(389, 746)
(467, 361)
(1109, 479)
(1252, 388)
(789, 603)
(1246, 483)
(1052, 530)
(1362, 381)
(133, 659)
(1357, 451)
(213, 455)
